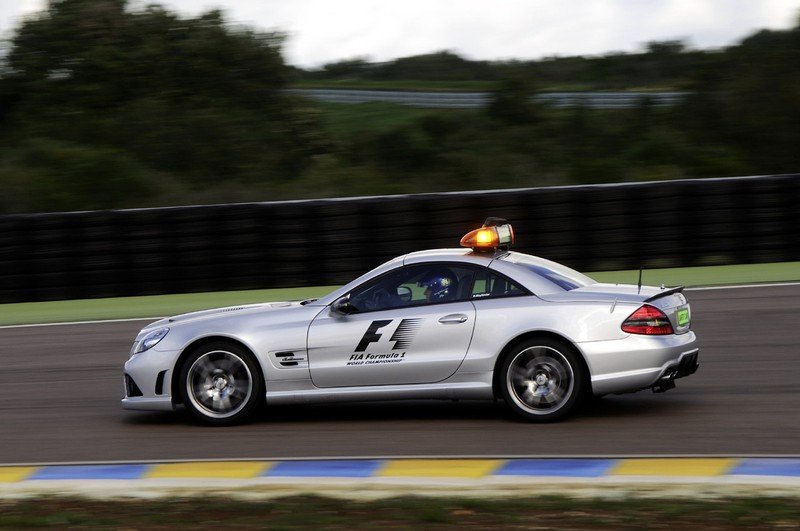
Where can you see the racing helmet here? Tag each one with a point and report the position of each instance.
(440, 285)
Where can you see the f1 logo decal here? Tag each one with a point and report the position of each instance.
(402, 336)
(370, 336)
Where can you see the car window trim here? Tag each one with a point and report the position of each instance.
(525, 291)
(475, 268)
(464, 265)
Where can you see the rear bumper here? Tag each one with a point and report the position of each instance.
(688, 364)
(639, 362)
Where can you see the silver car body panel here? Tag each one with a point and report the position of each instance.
(309, 353)
(442, 335)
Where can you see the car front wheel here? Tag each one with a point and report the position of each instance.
(221, 384)
(543, 379)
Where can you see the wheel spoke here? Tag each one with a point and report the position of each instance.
(204, 367)
(238, 393)
(529, 397)
(519, 376)
(222, 403)
(226, 364)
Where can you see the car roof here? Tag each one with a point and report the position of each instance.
(448, 255)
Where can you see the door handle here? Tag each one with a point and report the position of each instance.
(453, 318)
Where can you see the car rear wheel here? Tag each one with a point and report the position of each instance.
(543, 379)
(220, 384)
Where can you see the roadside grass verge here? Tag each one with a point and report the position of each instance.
(400, 84)
(345, 120)
(551, 512)
(163, 305)
(459, 86)
(145, 306)
(706, 276)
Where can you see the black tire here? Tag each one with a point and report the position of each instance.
(543, 380)
(220, 384)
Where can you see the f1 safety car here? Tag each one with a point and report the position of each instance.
(476, 322)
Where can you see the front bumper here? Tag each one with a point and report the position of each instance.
(148, 404)
(639, 362)
(147, 381)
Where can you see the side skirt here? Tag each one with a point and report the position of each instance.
(470, 387)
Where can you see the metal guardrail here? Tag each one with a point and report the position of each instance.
(474, 100)
(331, 241)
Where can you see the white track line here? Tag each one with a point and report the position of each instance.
(737, 286)
(34, 325)
(409, 456)
(102, 321)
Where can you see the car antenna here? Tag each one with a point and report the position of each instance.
(639, 290)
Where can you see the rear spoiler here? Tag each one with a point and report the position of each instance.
(664, 293)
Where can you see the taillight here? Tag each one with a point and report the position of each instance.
(647, 320)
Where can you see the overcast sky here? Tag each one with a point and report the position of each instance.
(323, 31)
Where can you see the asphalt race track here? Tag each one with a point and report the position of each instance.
(60, 388)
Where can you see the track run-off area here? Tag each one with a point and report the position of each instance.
(60, 391)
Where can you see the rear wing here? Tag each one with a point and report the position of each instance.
(665, 293)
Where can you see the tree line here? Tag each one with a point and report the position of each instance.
(106, 106)
(664, 64)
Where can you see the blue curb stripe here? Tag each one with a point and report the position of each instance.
(356, 468)
(573, 468)
(767, 467)
(90, 472)
(369, 468)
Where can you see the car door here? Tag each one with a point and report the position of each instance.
(400, 331)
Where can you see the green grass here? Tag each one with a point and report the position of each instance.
(148, 306)
(346, 120)
(163, 305)
(552, 512)
(706, 276)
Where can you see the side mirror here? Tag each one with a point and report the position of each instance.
(342, 305)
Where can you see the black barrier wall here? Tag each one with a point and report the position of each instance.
(298, 243)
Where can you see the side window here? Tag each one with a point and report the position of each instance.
(414, 285)
(488, 284)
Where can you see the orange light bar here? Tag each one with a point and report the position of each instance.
(490, 237)
(483, 238)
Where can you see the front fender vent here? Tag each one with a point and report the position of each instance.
(290, 359)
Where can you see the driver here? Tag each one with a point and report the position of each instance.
(440, 285)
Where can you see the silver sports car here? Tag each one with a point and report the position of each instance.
(477, 322)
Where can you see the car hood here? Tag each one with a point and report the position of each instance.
(600, 292)
(220, 313)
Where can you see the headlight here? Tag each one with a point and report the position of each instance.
(150, 340)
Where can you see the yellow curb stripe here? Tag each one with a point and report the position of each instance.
(450, 468)
(12, 474)
(212, 469)
(673, 467)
